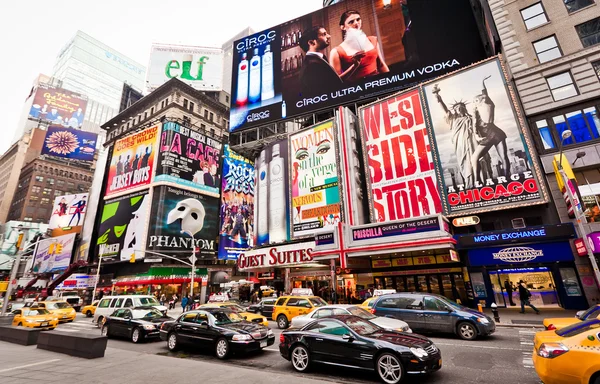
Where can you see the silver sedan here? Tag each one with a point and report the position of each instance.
(341, 309)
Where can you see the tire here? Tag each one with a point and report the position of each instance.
(595, 379)
(104, 331)
(172, 342)
(389, 368)
(222, 348)
(282, 322)
(466, 331)
(137, 336)
(20, 325)
(89, 313)
(99, 321)
(300, 358)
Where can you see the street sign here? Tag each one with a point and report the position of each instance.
(193, 259)
(465, 221)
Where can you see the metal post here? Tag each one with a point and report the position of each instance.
(98, 272)
(193, 261)
(13, 276)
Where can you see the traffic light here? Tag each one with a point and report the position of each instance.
(20, 240)
(132, 258)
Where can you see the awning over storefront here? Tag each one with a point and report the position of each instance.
(163, 275)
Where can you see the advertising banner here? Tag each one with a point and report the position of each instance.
(70, 143)
(58, 105)
(77, 281)
(237, 205)
(400, 162)
(132, 161)
(272, 208)
(314, 179)
(532, 253)
(68, 213)
(277, 256)
(178, 216)
(347, 52)
(484, 159)
(54, 254)
(395, 229)
(189, 158)
(199, 67)
(122, 226)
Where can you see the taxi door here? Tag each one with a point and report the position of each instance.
(303, 307)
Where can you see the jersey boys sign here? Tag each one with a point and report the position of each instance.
(399, 159)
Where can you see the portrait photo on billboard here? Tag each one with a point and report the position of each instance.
(68, 213)
(484, 158)
(122, 226)
(70, 143)
(272, 208)
(53, 254)
(348, 51)
(189, 158)
(314, 179)
(59, 106)
(399, 158)
(179, 215)
(237, 205)
(132, 161)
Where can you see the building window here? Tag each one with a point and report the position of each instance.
(187, 121)
(562, 86)
(45, 200)
(185, 103)
(50, 181)
(576, 5)
(547, 49)
(583, 123)
(589, 32)
(39, 178)
(145, 115)
(227, 99)
(33, 198)
(36, 189)
(534, 16)
(47, 191)
(60, 183)
(57, 192)
(203, 127)
(70, 186)
(27, 219)
(212, 132)
(152, 111)
(191, 106)
(206, 114)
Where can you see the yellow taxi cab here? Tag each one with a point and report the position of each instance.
(288, 307)
(570, 355)
(267, 291)
(368, 303)
(89, 310)
(249, 316)
(60, 308)
(34, 318)
(561, 322)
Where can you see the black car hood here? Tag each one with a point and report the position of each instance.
(409, 340)
(242, 327)
(155, 321)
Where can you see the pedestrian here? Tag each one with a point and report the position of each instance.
(163, 298)
(509, 291)
(260, 294)
(524, 296)
(184, 303)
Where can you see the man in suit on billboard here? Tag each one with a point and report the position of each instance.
(317, 75)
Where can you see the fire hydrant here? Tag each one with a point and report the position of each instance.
(495, 313)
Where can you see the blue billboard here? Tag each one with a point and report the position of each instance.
(70, 143)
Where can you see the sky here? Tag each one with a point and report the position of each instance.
(33, 32)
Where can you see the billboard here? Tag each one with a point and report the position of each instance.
(399, 159)
(237, 205)
(58, 105)
(314, 179)
(132, 162)
(347, 52)
(199, 67)
(70, 143)
(54, 254)
(122, 226)
(177, 216)
(483, 156)
(68, 213)
(271, 209)
(189, 158)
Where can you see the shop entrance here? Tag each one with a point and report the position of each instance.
(538, 280)
(450, 285)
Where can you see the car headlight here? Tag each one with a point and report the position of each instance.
(30, 321)
(406, 329)
(483, 320)
(270, 333)
(264, 320)
(419, 352)
(241, 337)
(55, 319)
(149, 327)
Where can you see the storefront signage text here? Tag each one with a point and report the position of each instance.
(580, 247)
(510, 236)
(525, 235)
(396, 229)
(324, 239)
(277, 256)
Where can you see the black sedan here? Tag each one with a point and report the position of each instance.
(265, 307)
(350, 341)
(219, 329)
(138, 324)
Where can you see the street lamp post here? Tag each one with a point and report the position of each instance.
(193, 261)
(102, 247)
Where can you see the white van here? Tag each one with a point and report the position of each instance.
(108, 304)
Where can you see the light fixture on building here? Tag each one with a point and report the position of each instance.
(387, 4)
(565, 135)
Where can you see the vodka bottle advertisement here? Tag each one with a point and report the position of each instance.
(254, 88)
(242, 85)
(277, 222)
(262, 200)
(268, 87)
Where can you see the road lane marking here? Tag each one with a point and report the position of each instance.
(28, 365)
(474, 346)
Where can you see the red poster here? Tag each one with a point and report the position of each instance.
(399, 159)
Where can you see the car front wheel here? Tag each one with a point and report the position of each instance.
(467, 331)
(389, 368)
(300, 358)
(172, 342)
(137, 336)
(282, 322)
(104, 331)
(222, 348)
(89, 313)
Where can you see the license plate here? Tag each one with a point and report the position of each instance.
(263, 344)
(45, 324)
(64, 317)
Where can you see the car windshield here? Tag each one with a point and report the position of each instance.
(595, 310)
(146, 314)
(363, 314)
(234, 307)
(452, 304)
(35, 312)
(149, 301)
(362, 327)
(59, 305)
(227, 317)
(317, 302)
(576, 329)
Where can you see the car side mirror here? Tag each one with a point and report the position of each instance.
(450, 310)
(348, 337)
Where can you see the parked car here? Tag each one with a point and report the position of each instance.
(219, 329)
(60, 308)
(137, 324)
(355, 310)
(350, 341)
(561, 322)
(434, 313)
(109, 304)
(89, 310)
(265, 307)
(569, 355)
(288, 307)
(34, 318)
(251, 317)
(71, 297)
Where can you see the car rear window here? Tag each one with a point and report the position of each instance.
(578, 328)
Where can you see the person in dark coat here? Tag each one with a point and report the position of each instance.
(524, 296)
(184, 302)
(317, 74)
(509, 291)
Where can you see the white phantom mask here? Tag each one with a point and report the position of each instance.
(191, 212)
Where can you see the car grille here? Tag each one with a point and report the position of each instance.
(259, 334)
(431, 350)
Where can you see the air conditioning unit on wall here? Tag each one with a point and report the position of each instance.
(518, 223)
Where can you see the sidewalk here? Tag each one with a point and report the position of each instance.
(29, 365)
(510, 317)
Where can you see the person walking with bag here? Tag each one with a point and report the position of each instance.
(524, 296)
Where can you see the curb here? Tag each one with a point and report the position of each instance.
(537, 326)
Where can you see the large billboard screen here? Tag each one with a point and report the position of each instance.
(70, 143)
(484, 158)
(189, 158)
(68, 213)
(237, 205)
(122, 226)
(271, 209)
(399, 159)
(349, 51)
(314, 179)
(199, 67)
(54, 254)
(178, 216)
(58, 105)
(132, 162)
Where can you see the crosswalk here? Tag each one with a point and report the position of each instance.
(526, 341)
(79, 326)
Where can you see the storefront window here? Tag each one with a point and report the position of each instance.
(569, 279)
(578, 126)
(422, 284)
(561, 126)
(478, 285)
(588, 183)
